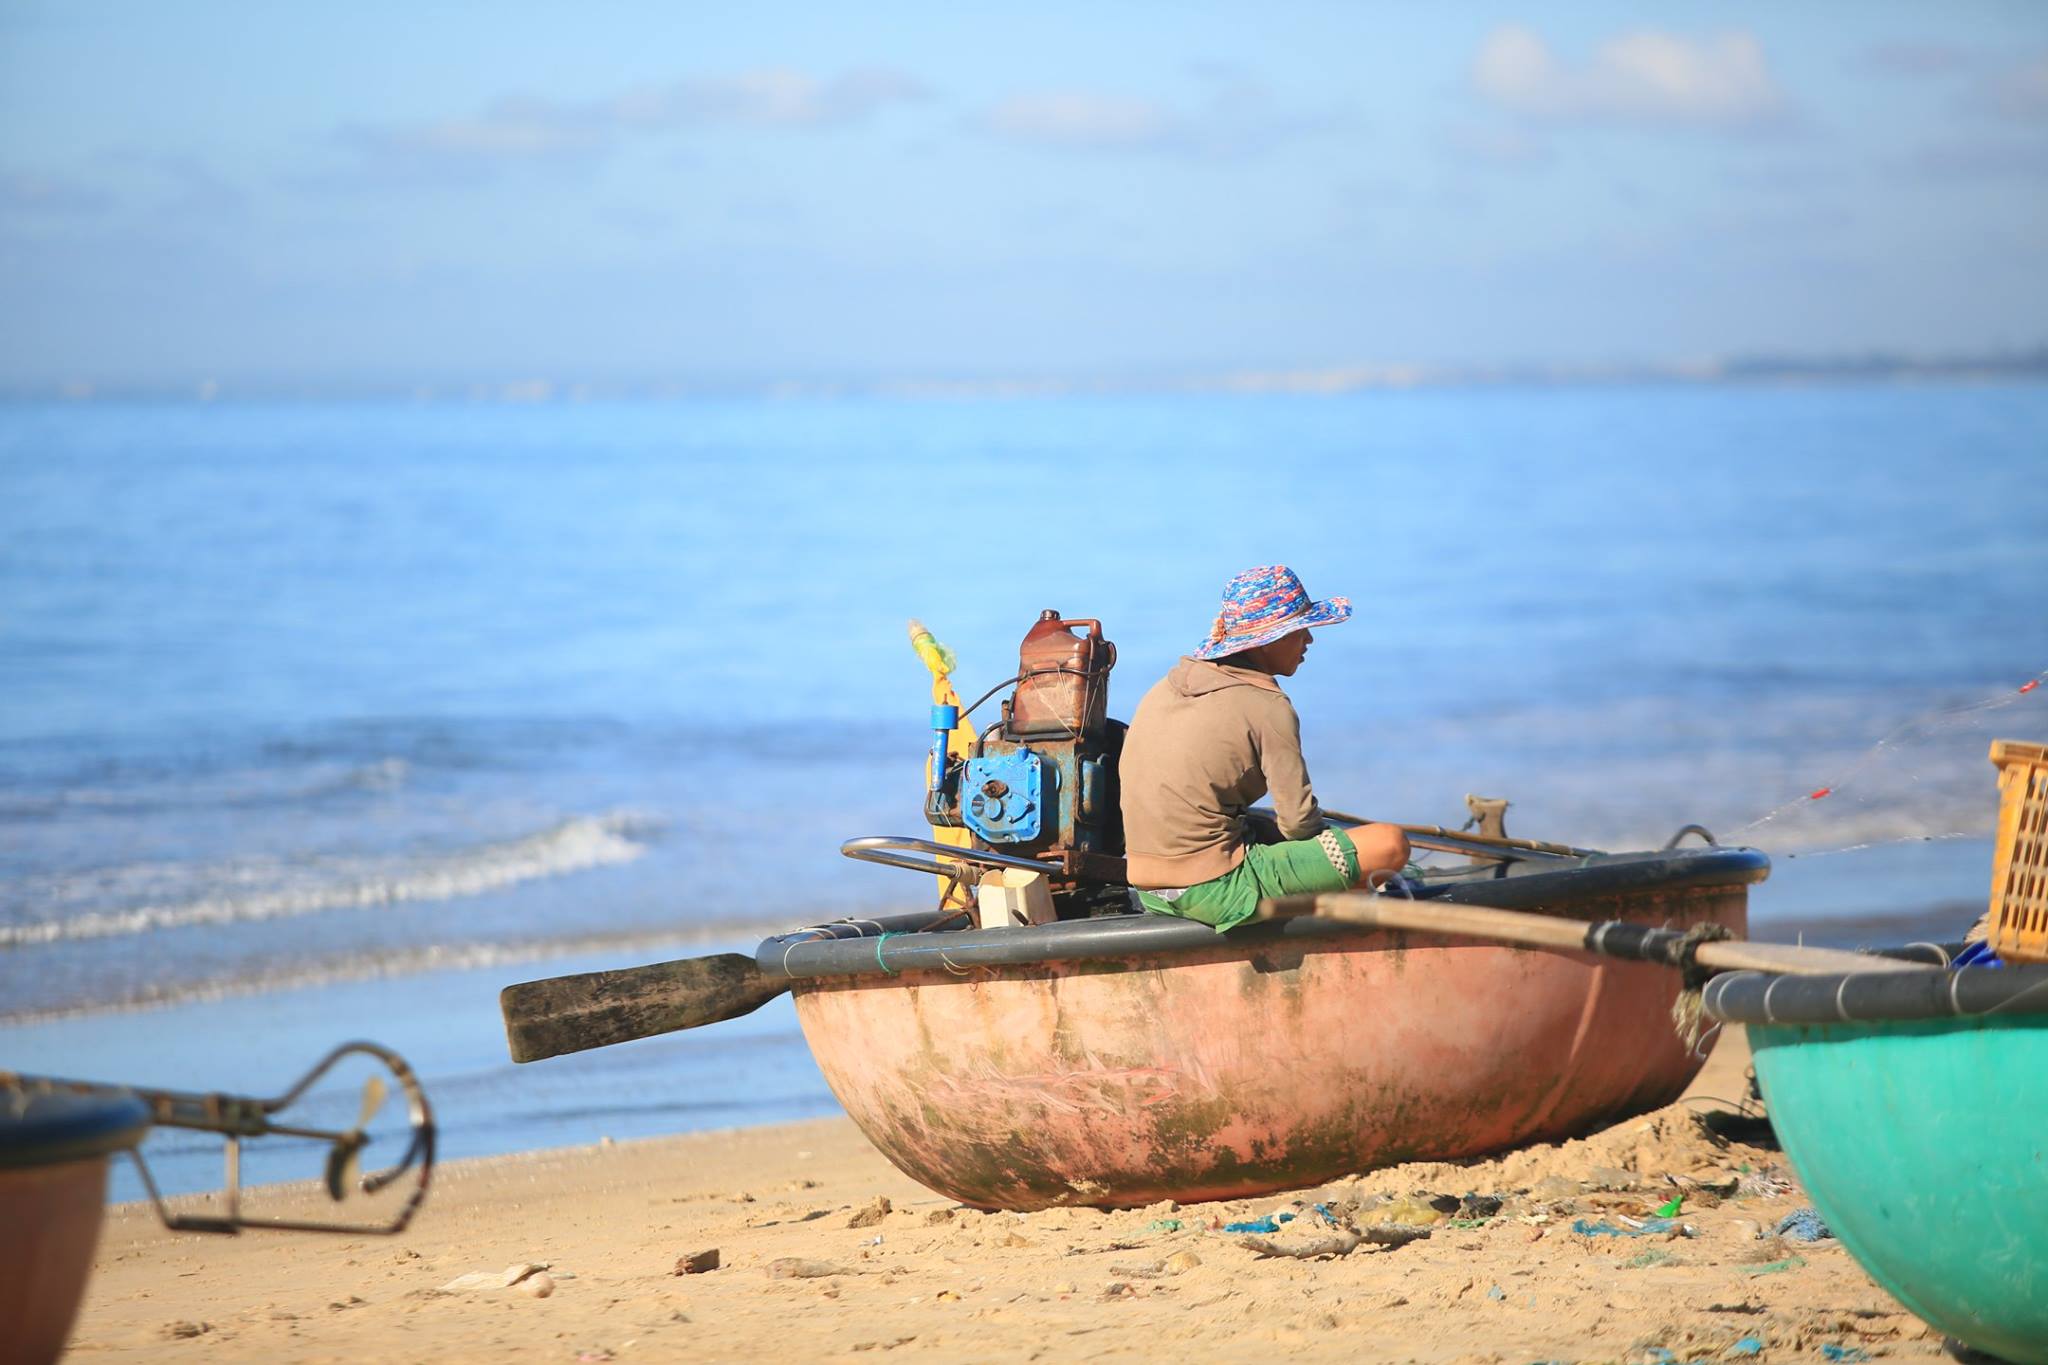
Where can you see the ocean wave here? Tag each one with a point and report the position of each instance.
(231, 790)
(246, 891)
(399, 962)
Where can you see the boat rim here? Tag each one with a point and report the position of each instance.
(1974, 992)
(936, 941)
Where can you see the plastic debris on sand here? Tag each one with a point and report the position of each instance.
(1804, 1225)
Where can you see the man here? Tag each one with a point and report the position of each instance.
(1214, 736)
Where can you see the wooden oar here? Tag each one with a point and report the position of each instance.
(596, 1009)
(1613, 938)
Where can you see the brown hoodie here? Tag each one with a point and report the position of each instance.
(1207, 741)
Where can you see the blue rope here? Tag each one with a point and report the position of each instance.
(878, 955)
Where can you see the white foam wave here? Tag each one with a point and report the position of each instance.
(271, 891)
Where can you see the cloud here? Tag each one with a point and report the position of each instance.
(1646, 78)
(1977, 159)
(1503, 145)
(517, 127)
(182, 185)
(523, 130)
(123, 192)
(2020, 92)
(772, 97)
(517, 130)
(29, 194)
(1233, 116)
(1079, 118)
(1917, 58)
(2017, 91)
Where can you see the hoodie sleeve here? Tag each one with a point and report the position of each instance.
(1279, 738)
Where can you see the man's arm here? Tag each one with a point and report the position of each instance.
(1294, 801)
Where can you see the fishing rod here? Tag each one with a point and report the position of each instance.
(237, 1117)
(1496, 846)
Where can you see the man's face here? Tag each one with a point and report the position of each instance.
(1284, 655)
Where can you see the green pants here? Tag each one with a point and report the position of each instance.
(1298, 868)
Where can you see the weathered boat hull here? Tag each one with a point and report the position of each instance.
(1252, 1063)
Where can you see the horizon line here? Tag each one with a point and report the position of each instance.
(1761, 369)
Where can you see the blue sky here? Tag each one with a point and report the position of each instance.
(635, 192)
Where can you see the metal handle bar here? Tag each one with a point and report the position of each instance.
(894, 850)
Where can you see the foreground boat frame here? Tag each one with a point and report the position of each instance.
(1912, 1110)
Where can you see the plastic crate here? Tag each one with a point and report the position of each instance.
(2019, 866)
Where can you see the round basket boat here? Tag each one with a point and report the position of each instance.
(1913, 1108)
(53, 1193)
(1130, 1058)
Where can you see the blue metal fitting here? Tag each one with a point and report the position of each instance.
(944, 718)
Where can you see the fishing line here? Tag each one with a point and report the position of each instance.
(1887, 843)
(1852, 786)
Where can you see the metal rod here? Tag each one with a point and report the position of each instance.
(893, 850)
(236, 1117)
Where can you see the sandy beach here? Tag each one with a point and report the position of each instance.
(825, 1252)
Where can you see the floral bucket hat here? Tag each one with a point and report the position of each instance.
(1260, 606)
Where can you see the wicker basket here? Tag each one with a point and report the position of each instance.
(2019, 867)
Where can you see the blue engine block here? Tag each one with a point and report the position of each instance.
(1003, 796)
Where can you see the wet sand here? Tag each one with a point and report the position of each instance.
(928, 1279)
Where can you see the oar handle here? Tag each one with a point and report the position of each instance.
(1612, 938)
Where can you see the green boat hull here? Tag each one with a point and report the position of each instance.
(1925, 1147)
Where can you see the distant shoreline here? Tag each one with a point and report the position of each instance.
(1885, 368)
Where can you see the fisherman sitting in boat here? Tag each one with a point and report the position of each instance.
(1214, 736)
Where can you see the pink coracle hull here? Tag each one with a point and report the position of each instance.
(49, 1225)
(1241, 1069)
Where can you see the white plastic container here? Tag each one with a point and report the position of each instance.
(1011, 896)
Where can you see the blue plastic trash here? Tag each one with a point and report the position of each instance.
(1804, 1225)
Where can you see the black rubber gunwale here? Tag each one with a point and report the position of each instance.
(894, 943)
(1877, 997)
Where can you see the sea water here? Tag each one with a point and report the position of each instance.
(327, 720)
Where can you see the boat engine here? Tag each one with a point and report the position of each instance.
(1041, 782)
